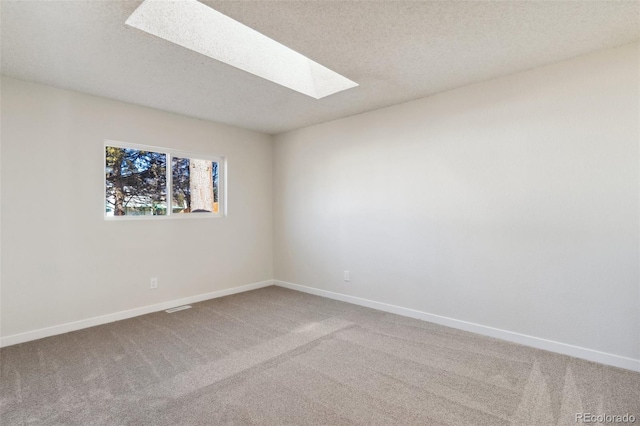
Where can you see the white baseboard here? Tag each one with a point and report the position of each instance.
(117, 316)
(523, 339)
(510, 336)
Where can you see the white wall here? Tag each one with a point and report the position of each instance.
(513, 203)
(62, 262)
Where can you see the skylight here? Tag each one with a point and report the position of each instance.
(197, 27)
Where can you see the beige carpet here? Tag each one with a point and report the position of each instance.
(279, 357)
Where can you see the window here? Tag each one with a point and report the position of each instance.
(143, 182)
(198, 27)
(194, 185)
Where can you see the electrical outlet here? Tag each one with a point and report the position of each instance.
(346, 276)
(154, 283)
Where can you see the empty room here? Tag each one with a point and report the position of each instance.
(319, 212)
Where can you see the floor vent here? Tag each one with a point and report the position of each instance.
(178, 308)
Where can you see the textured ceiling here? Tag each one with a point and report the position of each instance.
(396, 51)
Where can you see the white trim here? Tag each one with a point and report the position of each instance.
(510, 336)
(222, 184)
(163, 150)
(117, 316)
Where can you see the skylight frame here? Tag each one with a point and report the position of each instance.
(197, 27)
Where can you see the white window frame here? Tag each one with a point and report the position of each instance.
(170, 154)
